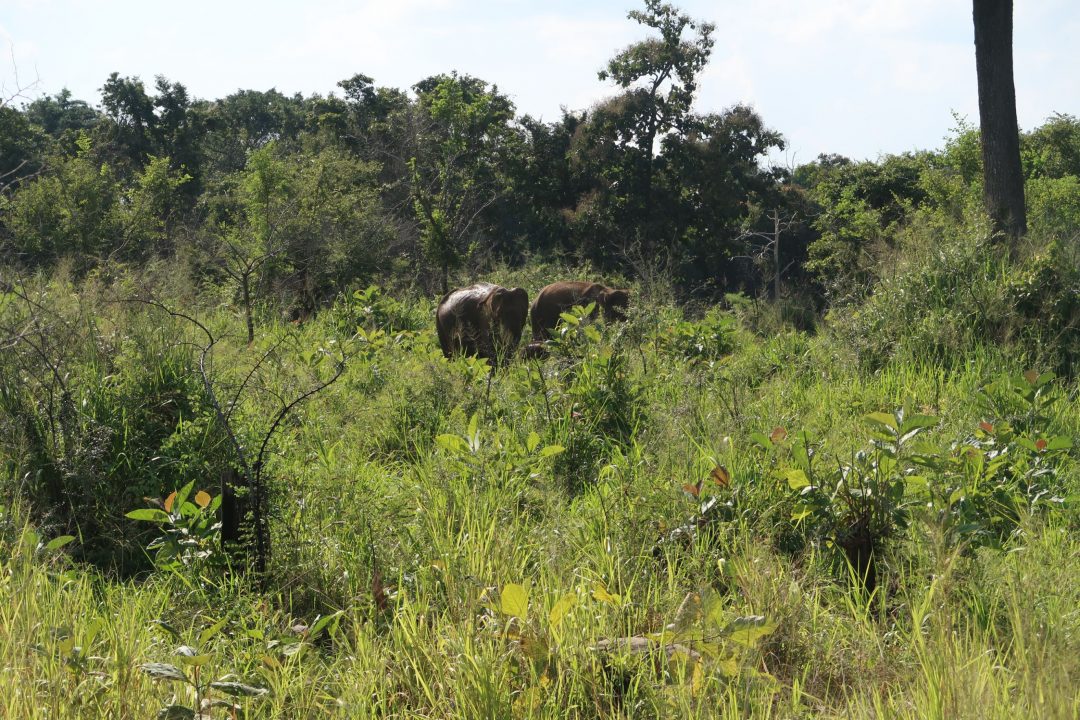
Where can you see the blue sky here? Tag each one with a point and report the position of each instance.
(856, 77)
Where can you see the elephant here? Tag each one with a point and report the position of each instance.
(484, 320)
(559, 297)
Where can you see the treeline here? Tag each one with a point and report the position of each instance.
(293, 198)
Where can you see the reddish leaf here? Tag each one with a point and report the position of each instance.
(169, 501)
(721, 476)
(778, 434)
(1040, 444)
(378, 591)
(694, 490)
(1031, 376)
(986, 427)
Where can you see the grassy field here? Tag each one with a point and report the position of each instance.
(655, 521)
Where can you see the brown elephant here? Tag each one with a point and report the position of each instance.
(483, 319)
(559, 297)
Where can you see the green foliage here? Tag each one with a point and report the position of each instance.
(465, 137)
(190, 539)
(593, 534)
(856, 505)
(202, 693)
(588, 534)
(597, 407)
(704, 340)
(79, 208)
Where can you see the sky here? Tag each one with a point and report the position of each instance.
(860, 78)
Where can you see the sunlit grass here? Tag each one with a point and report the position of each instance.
(414, 542)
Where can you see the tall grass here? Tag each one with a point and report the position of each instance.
(567, 478)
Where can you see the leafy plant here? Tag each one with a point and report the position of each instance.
(704, 340)
(190, 532)
(200, 691)
(858, 504)
(983, 486)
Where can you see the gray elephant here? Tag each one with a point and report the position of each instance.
(559, 297)
(484, 320)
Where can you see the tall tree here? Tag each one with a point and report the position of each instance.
(660, 77)
(1003, 180)
(463, 136)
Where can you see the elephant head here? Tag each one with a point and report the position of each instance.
(559, 297)
(614, 303)
(483, 320)
(506, 310)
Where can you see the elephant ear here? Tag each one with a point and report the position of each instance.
(521, 295)
(614, 302)
(498, 300)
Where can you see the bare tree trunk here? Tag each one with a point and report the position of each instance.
(245, 284)
(1003, 180)
(776, 253)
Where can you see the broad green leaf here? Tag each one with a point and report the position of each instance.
(917, 422)
(163, 671)
(882, 419)
(211, 631)
(149, 514)
(800, 512)
(183, 493)
(1044, 378)
(564, 605)
(175, 712)
(236, 689)
(761, 440)
(514, 601)
(796, 479)
(697, 679)
(66, 645)
(916, 482)
(532, 442)
(570, 319)
(1061, 442)
(748, 630)
(195, 660)
(58, 542)
(551, 450)
(452, 443)
(600, 592)
(474, 433)
(800, 452)
(321, 623)
(30, 540)
(729, 666)
(712, 609)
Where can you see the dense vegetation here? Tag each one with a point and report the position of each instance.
(839, 480)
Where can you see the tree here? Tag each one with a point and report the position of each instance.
(463, 134)
(298, 225)
(59, 115)
(660, 76)
(1003, 180)
(711, 181)
(20, 147)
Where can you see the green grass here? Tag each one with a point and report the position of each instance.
(414, 538)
